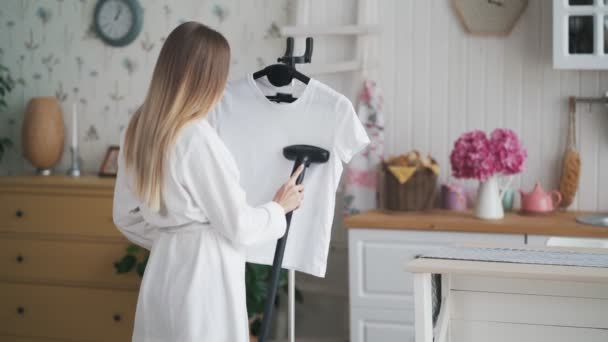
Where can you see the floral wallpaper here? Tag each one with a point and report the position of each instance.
(52, 50)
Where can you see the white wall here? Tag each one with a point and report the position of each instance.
(439, 82)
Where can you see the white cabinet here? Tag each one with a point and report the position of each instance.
(381, 291)
(382, 325)
(537, 240)
(580, 34)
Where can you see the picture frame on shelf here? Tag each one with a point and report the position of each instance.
(109, 166)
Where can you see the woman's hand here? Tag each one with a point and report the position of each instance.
(290, 195)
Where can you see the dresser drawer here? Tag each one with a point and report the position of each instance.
(377, 261)
(64, 261)
(13, 338)
(66, 312)
(57, 214)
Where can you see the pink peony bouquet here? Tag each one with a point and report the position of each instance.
(510, 153)
(479, 157)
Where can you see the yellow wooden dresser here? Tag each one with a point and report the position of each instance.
(57, 249)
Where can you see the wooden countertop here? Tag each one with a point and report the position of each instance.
(58, 180)
(557, 224)
(86, 185)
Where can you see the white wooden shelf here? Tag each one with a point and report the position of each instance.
(338, 30)
(330, 68)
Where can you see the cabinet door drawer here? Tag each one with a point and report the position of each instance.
(66, 312)
(7, 338)
(57, 214)
(372, 325)
(377, 260)
(70, 262)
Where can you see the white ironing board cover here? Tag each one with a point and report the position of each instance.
(521, 256)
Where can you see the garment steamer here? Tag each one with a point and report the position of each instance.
(281, 75)
(301, 154)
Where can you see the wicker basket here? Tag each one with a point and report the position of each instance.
(416, 194)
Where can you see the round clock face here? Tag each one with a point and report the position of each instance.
(118, 22)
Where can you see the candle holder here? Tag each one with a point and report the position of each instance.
(74, 170)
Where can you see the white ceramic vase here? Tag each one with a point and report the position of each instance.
(489, 200)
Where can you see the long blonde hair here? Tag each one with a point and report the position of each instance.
(188, 79)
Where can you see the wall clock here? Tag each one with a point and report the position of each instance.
(118, 22)
(489, 17)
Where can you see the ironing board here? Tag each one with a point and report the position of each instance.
(513, 294)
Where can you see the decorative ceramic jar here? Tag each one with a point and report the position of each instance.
(43, 133)
(453, 197)
(508, 197)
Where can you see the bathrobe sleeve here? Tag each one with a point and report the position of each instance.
(126, 212)
(211, 177)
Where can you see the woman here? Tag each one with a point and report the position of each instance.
(177, 194)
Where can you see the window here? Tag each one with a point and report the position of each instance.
(580, 34)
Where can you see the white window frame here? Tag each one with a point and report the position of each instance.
(562, 59)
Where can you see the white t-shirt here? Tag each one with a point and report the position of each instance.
(256, 130)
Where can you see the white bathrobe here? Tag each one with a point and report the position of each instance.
(194, 284)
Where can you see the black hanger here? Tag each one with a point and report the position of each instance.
(284, 72)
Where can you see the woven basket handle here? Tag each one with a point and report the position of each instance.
(571, 144)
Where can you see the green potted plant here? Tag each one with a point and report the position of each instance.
(6, 85)
(256, 280)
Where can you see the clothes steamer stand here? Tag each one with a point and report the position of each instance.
(280, 75)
